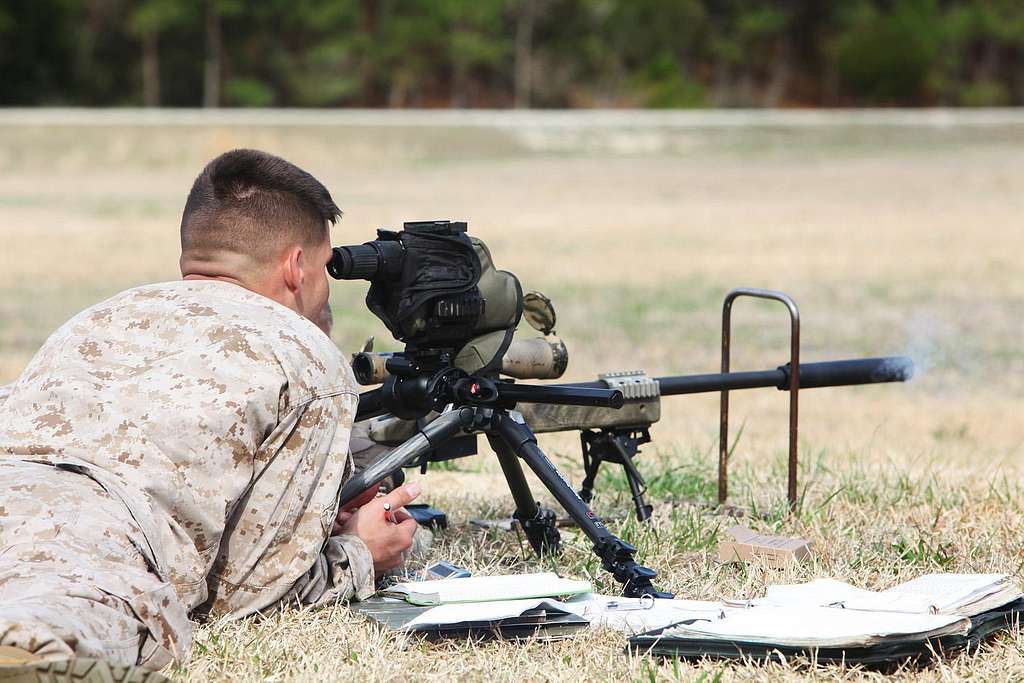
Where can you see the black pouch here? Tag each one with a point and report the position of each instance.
(436, 295)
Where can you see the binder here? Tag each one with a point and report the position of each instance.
(892, 651)
(544, 623)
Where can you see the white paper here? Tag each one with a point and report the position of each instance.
(960, 594)
(819, 626)
(489, 588)
(636, 615)
(947, 592)
(493, 610)
(817, 593)
(602, 611)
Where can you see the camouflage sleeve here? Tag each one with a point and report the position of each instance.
(276, 544)
(5, 391)
(343, 571)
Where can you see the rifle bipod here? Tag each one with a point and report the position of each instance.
(513, 440)
(616, 445)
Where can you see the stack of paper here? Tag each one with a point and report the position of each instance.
(629, 615)
(837, 622)
(487, 588)
(635, 615)
(510, 619)
(957, 594)
(818, 627)
(510, 604)
(831, 619)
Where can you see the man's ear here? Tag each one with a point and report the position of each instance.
(293, 272)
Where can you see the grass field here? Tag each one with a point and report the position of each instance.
(895, 235)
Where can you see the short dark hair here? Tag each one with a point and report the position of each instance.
(248, 201)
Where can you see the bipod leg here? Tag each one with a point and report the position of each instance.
(591, 463)
(637, 485)
(616, 555)
(538, 522)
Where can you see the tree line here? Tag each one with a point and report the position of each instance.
(512, 53)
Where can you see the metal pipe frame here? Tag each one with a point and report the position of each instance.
(794, 388)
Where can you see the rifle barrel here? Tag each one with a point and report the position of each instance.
(720, 381)
(812, 375)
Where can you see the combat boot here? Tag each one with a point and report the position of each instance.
(21, 666)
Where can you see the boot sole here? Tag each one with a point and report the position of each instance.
(78, 670)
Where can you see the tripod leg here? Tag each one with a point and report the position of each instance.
(440, 430)
(616, 555)
(538, 523)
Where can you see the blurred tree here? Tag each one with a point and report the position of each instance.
(983, 37)
(478, 45)
(887, 55)
(213, 11)
(752, 47)
(147, 20)
(546, 53)
(526, 14)
(36, 51)
(656, 43)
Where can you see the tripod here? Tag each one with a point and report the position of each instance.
(475, 404)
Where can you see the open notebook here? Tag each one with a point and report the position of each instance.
(835, 622)
(954, 594)
(819, 626)
(486, 589)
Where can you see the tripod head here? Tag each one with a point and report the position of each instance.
(410, 392)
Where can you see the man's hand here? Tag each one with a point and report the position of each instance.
(387, 534)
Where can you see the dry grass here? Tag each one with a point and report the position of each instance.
(892, 239)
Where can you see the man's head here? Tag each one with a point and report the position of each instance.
(264, 223)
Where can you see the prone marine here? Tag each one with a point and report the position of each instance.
(178, 449)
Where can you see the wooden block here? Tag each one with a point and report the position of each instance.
(740, 544)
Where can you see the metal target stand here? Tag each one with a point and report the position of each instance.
(794, 387)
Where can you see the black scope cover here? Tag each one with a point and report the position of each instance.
(433, 299)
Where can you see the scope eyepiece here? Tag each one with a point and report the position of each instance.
(366, 261)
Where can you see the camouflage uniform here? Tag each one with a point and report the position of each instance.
(177, 448)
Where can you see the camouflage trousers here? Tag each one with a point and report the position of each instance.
(73, 577)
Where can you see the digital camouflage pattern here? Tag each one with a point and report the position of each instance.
(218, 422)
(72, 576)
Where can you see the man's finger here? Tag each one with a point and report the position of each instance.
(401, 496)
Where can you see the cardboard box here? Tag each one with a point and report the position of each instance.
(740, 544)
